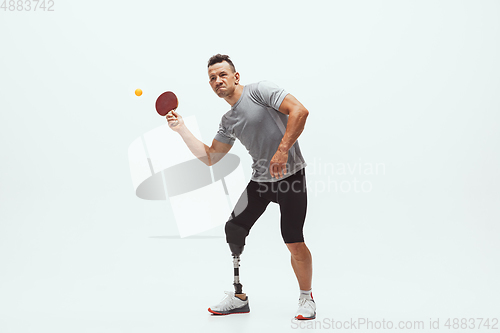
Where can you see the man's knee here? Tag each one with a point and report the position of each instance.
(235, 237)
(298, 250)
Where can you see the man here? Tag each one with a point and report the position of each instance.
(267, 120)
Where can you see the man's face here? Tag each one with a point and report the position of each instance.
(222, 79)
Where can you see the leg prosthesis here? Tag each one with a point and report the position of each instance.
(235, 237)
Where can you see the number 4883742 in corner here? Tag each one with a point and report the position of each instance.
(27, 5)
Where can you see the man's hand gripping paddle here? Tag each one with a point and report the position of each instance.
(166, 103)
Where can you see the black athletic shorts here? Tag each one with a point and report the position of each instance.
(291, 195)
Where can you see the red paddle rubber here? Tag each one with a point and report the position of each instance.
(166, 102)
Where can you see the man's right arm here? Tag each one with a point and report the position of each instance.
(206, 154)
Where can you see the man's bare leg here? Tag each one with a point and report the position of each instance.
(302, 264)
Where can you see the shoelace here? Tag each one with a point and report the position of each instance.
(228, 302)
(304, 301)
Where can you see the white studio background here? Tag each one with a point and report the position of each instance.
(403, 97)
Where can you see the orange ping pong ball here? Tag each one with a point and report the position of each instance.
(138, 92)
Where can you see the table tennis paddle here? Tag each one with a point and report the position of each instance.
(165, 103)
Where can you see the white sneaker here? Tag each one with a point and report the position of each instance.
(307, 309)
(230, 304)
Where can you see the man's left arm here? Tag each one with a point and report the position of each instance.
(297, 115)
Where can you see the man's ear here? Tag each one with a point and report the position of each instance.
(237, 76)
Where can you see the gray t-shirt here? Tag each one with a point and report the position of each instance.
(257, 123)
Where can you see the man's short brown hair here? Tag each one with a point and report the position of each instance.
(220, 58)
